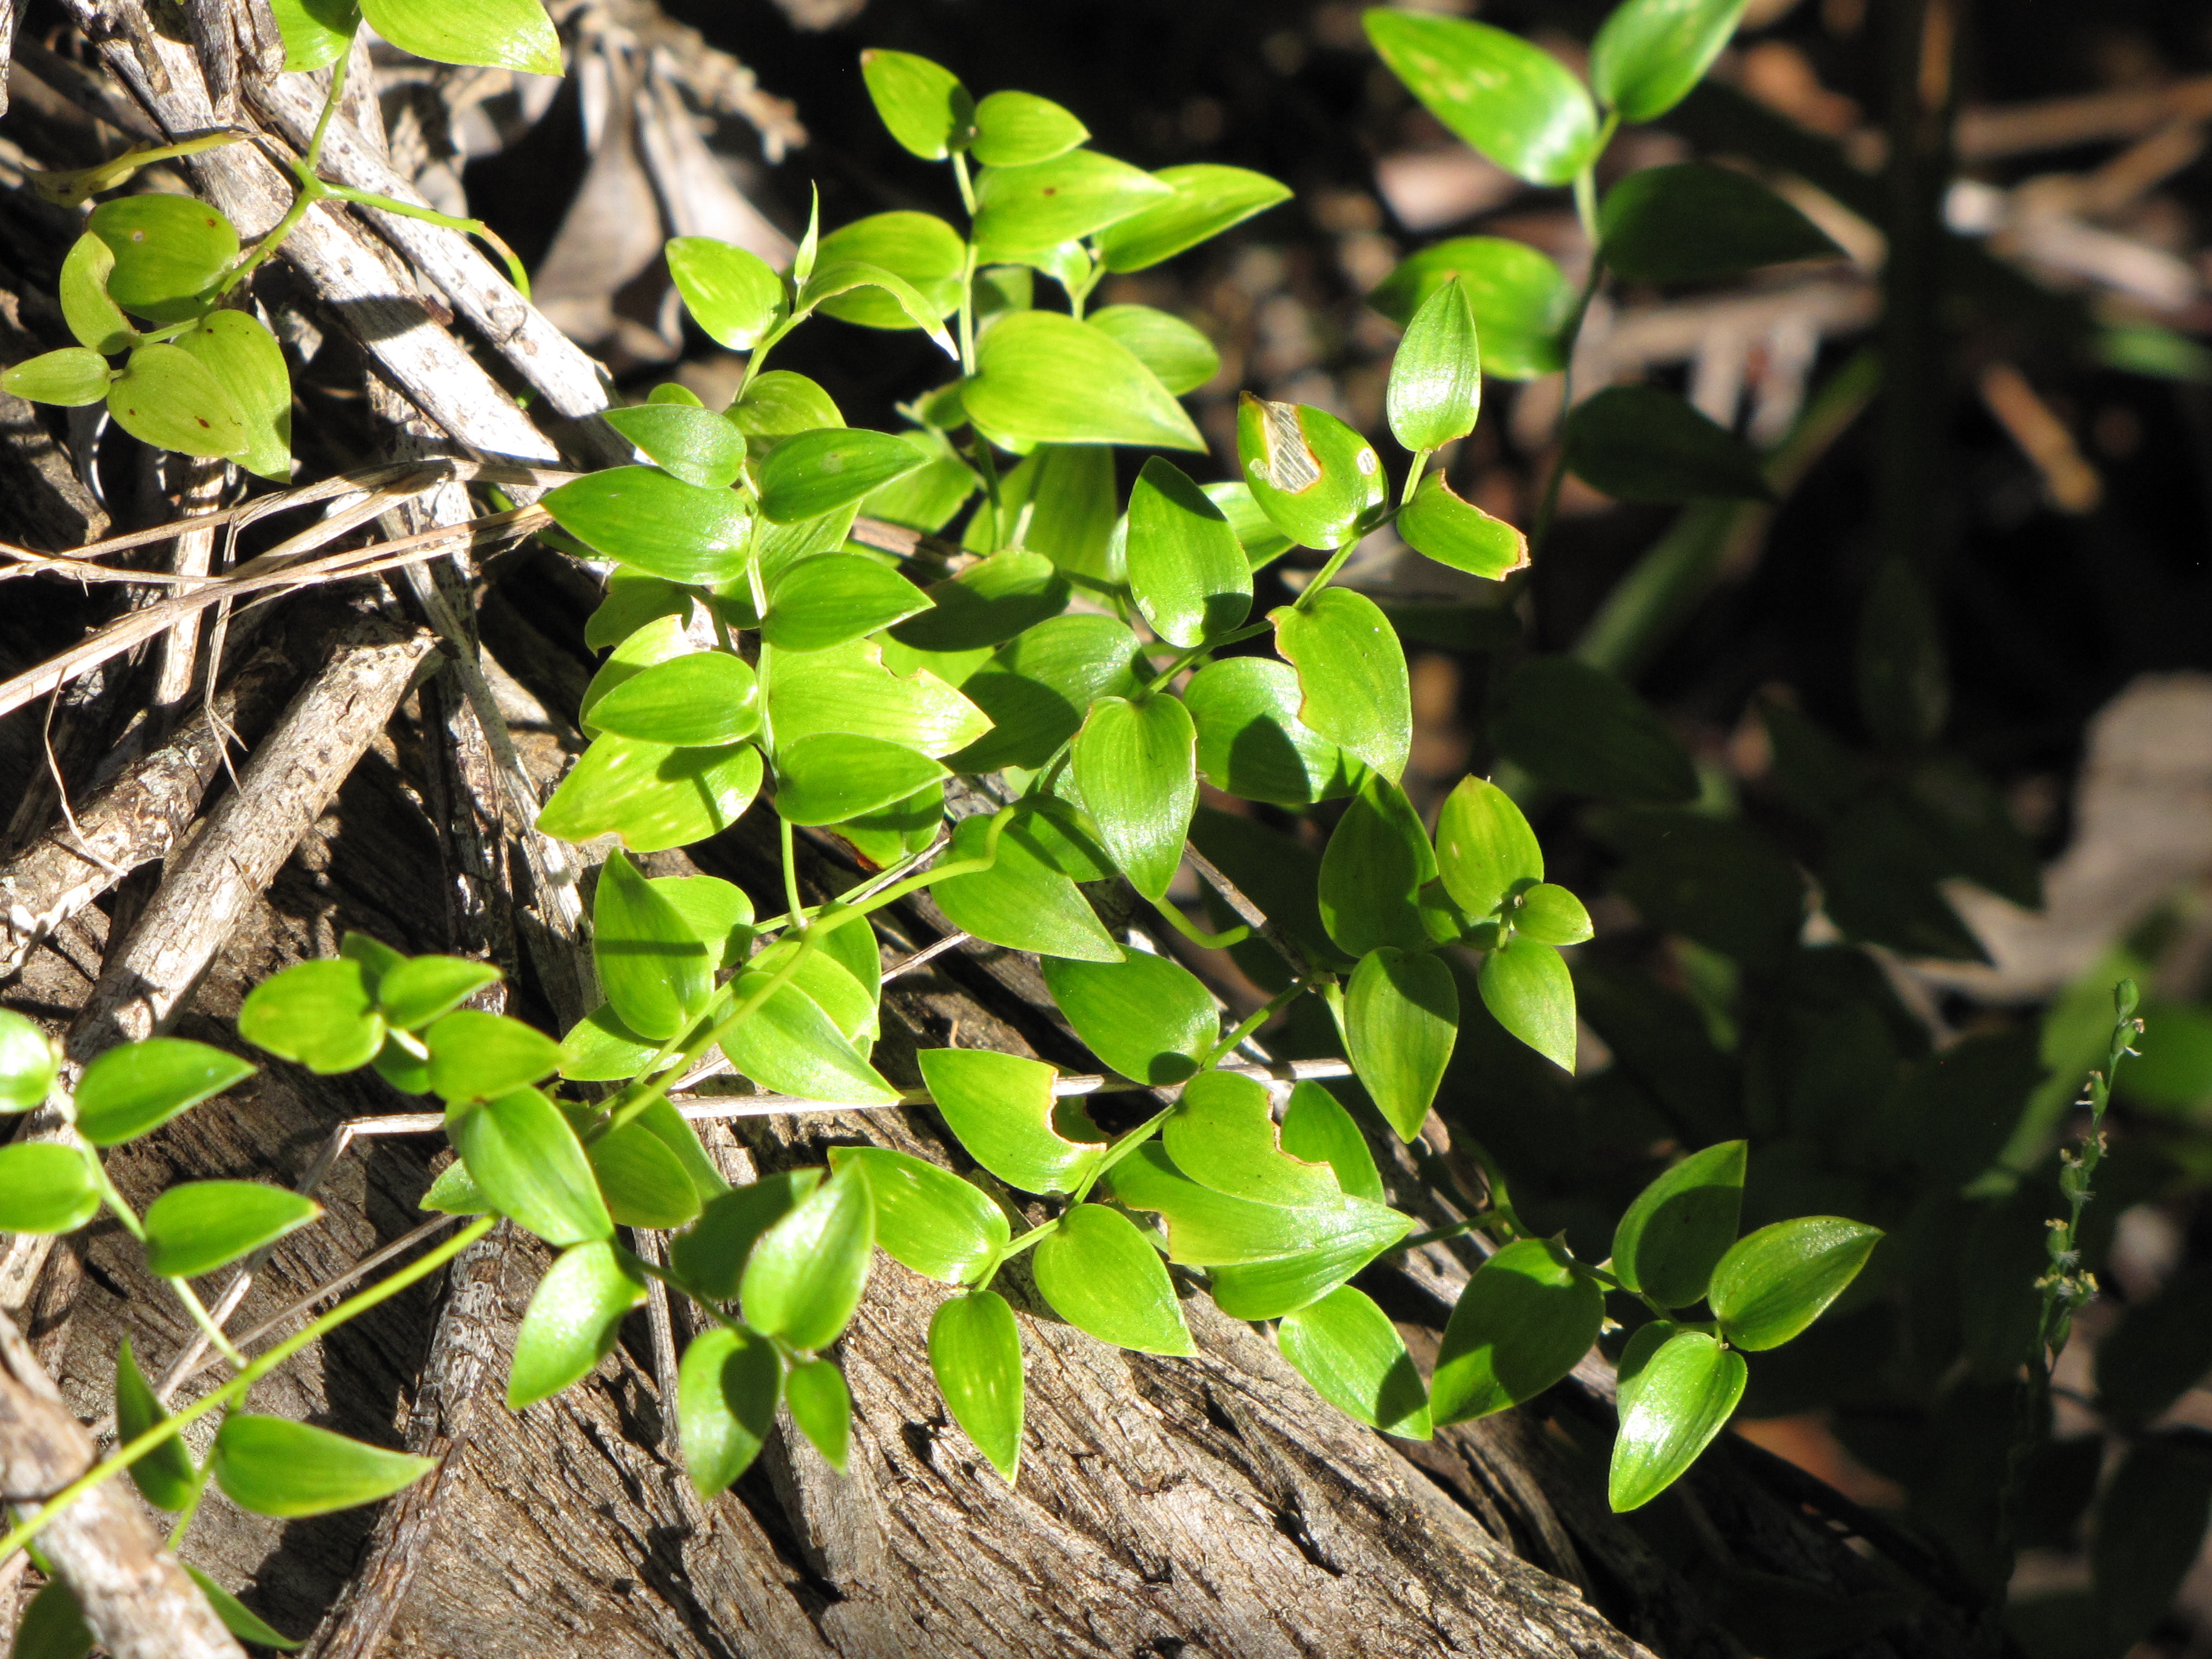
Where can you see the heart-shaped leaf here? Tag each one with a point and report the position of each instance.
(139, 1086)
(696, 445)
(1650, 53)
(1208, 199)
(1680, 1226)
(413, 993)
(1522, 1323)
(928, 1219)
(642, 1179)
(987, 604)
(1181, 357)
(1460, 534)
(805, 1275)
(1251, 743)
(656, 522)
(790, 1045)
(1317, 1129)
(923, 104)
(1349, 1350)
(1693, 222)
(199, 1226)
(1037, 689)
(652, 795)
(1681, 1397)
(322, 1014)
(920, 248)
(1351, 672)
(1222, 1135)
(1484, 848)
(1527, 989)
(525, 1157)
(1550, 914)
(1401, 1022)
(1521, 299)
(1208, 1229)
(834, 776)
(45, 1188)
(1319, 481)
(975, 1354)
(1002, 1110)
(1136, 765)
(92, 315)
(822, 1405)
(1377, 860)
(1435, 390)
(165, 1475)
(1104, 1278)
(70, 378)
(1186, 566)
(1775, 1282)
(168, 398)
(1514, 101)
(700, 699)
(27, 1063)
(273, 1466)
(1015, 129)
(835, 597)
(574, 1318)
(1022, 901)
(513, 34)
(812, 473)
(475, 1055)
(731, 293)
(1025, 209)
(1146, 1017)
(1042, 378)
(726, 1392)
(711, 1255)
(170, 251)
(848, 689)
(249, 366)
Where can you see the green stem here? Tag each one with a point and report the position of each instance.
(1197, 935)
(206, 1322)
(1305, 601)
(790, 870)
(1413, 475)
(967, 185)
(1438, 1235)
(1118, 1151)
(123, 1456)
(968, 311)
(476, 228)
(987, 465)
(1253, 1022)
(1548, 507)
(1013, 1247)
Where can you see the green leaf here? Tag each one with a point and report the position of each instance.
(322, 1014)
(1136, 766)
(574, 1317)
(1550, 914)
(1001, 1109)
(1458, 533)
(1263, 544)
(1680, 1226)
(1317, 1129)
(1521, 299)
(27, 1063)
(139, 1086)
(273, 1466)
(514, 34)
(634, 600)
(700, 699)
(199, 1226)
(1351, 672)
(1025, 209)
(1775, 1282)
(94, 318)
(1268, 1290)
(1528, 991)
(475, 1055)
(1693, 222)
(850, 278)
(525, 1157)
(975, 1353)
(1181, 357)
(1580, 728)
(1435, 390)
(731, 293)
(928, 1219)
(789, 1044)
(694, 444)
(403, 1063)
(710, 1257)
(924, 106)
(1251, 743)
(453, 1193)
(1187, 569)
(1207, 200)
(655, 523)
(1681, 1398)
(417, 990)
(316, 34)
(1222, 1135)
(822, 1405)
(1523, 1322)
(1037, 689)
(814, 473)
(1484, 848)
(1637, 443)
(53, 1626)
(1377, 860)
(1650, 53)
(1022, 901)
(1515, 102)
(1014, 129)
(834, 776)
(848, 689)
(1146, 1017)
(170, 252)
(1045, 378)
(1319, 481)
(833, 598)
(72, 378)
(780, 405)
(165, 1475)
(899, 830)
(168, 398)
(1401, 1022)
(237, 1618)
(45, 1188)
(1104, 1278)
(726, 1392)
(1349, 1350)
(642, 1179)
(918, 247)
(248, 364)
(987, 604)
(1208, 1229)
(927, 498)
(807, 1272)
(652, 795)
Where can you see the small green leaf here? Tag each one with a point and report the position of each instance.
(1208, 1229)
(711, 1256)
(1349, 1350)
(453, 1193)
(924, 106)
(812, 473)
(1693, 222)
(652, 795)
(1251, 743)
(1436, 378)
(731, 293)
(822, 1405)
(1001, 1109)
(166, 1475)
(94, 318)
(1014, 129)
(1181, 357)
(71, 378)
(1521, 299)
(726, 1392)
(1022, 901)
(1650, 53)
(273, 1466)
(699, 700)
(322, 1014)
(1550, 914)
(53, 1626)
(1377, 860)
(634, 600)
(1187, 569)
(1523, 1322)
(514, 34)
(1146, 1017)
(1637, 443)
(199, 1226)
(1578, 727)
(139, 1086)
(574, 1317)
(1514, 101)
(1527, 989)
(168, 398)
(834, 776)
(920, 248)
(642, 1179)
(927, 1218)
(1682, 1396)
(1680, 1226)
(316, 34)
(1317, 1129)
(1104, 1278)
(237, 1618)
(717, 912)
(403, 1063)
(780, 405)
(414, 992)
(790, 1045)
(27, 1063)
(1222, 1135)
(373, 954)
(1136, 766)
(848, 689)
(987, 604)
(1775, 1282)
(655, 523)
(1024, 209)
(525, 1157)
(170, 251)
(1458, 533)
(694, 445)
(248, 364)
(475, 1055)
(1319, 481)
(1351, 672)
(45, 1188)
(975, 1353)
(1263, 543)
(1046, 378)
(834, 597)
(1401, 1022)
(1035, 690)
(807, 1272)
(656, 973)
(1283, 1284)
(1208, 199)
